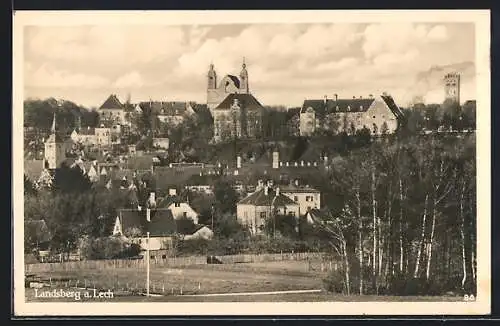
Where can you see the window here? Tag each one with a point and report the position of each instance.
(291, 213)
(177, 204)
(152, 257)
(295, 198)
(373, 117)
(262, 214)
(309, 198)
(163, 256)
(184, 214)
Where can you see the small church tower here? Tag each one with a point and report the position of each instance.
(55, 152)
(212, 78)
(244, 78)
(452, 87)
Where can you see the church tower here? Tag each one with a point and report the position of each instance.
(55, 152)
(244, 78)
(212, 78)
(452, 87)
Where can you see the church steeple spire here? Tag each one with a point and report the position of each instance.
(53, 128)
(212, 77)
(244, 77)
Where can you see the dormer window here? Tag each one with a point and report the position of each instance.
(348, 108)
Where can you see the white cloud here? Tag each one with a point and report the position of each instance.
(129, 80)
(107, 45)
(438, 33)
(286, 63)
(49, 77)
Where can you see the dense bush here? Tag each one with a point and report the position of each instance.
(107, 248)
(334, 282)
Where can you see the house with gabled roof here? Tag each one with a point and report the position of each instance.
(171, 112)
(112, 112)
(266, 202)
(179, 207)
(378, 114)
(135, 223)
(238, 116)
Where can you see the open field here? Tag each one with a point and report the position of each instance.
(184, 284)
(195, 279)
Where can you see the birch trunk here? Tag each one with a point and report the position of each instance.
(422, 239)
(380, 246)
(374, 213)
(360, 239)
(346, 269)
(431, 241)
(462, 235)
(401, 249)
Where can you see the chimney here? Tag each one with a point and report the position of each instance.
(361, 97)
(326, 98)
(336, 97)
(354, 97)
(238, 162)
(148, 214)
(266, 191)
(297, 182)
(172, 192)
(371, 95)
(277, 191)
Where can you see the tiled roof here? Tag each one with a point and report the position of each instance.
(341, 105)
(162, 222)
(165, 108)
(86, 131)
(259, 198)
(235, 80)
(392, 106)
(199, 107)
(247, 101)
(165, 202)
(294, 188)
(33, 169)
(292, 112)
(142, 162)
(112, 102)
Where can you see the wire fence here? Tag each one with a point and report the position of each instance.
(171, 261)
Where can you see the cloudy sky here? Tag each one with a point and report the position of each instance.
(286, 63)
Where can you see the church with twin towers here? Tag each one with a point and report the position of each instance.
(236, 112)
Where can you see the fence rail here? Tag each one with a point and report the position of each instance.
(170, 262)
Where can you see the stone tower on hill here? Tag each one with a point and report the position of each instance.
(452, 87)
